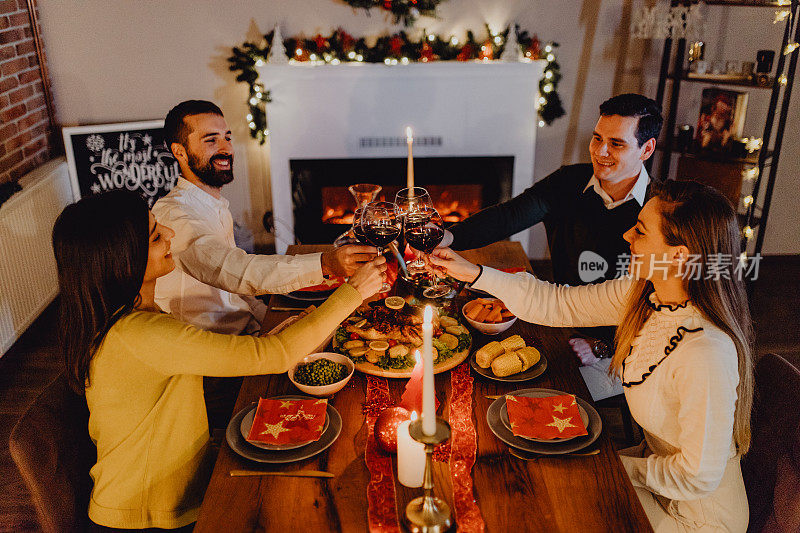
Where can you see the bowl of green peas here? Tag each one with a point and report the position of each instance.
(322, 374)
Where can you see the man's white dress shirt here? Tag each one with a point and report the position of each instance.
(600, 384)
(214, 282)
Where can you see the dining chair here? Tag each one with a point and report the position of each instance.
(52, 449)
(771, 469)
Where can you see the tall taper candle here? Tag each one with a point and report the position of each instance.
(428, 400)
(410, 171)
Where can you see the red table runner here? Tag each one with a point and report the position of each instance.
(459, 452)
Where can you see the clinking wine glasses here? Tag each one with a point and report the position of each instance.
(408, 201)
(423, 229)
(380, 225)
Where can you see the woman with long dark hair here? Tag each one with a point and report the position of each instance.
(141, 370)
(684, 351)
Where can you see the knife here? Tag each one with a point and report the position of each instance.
(295, 473)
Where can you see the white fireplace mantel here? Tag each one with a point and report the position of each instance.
(324, 112)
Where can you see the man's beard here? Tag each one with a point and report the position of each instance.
(208, 173)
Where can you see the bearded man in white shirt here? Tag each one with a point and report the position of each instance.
(215, 282)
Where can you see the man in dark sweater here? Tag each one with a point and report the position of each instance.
(585, 208)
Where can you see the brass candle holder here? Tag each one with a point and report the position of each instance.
(428, 514)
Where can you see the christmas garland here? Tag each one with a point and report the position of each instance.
(342, 47)
(406, 10)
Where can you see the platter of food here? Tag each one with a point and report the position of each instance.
(382, 336)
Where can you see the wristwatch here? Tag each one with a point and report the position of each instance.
(600, 349)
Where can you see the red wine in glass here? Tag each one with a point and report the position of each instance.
(361, 237)
(381, 225)
(380, 235)
(424, 237)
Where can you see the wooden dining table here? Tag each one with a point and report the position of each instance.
(547, 493)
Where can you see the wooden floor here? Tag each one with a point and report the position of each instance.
(34, 361)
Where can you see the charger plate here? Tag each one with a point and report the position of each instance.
(238, 444)
(493, 418)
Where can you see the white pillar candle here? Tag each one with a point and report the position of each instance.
(410, 456)
(428, 401)
(410, 170)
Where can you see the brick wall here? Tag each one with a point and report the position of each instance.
(24, 125)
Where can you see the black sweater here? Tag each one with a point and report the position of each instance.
(574, 220)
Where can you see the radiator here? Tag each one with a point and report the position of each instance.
(28, 281)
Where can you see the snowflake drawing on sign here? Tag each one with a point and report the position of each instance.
(95, 143)
(95, 188)
(147, 139)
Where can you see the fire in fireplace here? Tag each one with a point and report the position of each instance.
(454, 202)
(459, 187)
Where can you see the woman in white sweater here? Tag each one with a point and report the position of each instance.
(683, 351)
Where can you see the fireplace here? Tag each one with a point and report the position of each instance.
(332, 126)
(459, 187)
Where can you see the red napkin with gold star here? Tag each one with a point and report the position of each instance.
(288, 421)
(554, 417)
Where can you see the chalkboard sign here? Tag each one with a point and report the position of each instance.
(129, 155)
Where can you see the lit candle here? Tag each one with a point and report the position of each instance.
(428, 400)
(410, 456)
(409, 142)
(412, 396)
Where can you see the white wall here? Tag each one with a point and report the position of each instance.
(133, 60)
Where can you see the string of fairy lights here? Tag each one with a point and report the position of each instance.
(750, 174)
(398, 49)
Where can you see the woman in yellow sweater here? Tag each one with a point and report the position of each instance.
(142, 370)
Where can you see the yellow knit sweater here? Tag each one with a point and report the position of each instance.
(148, 417)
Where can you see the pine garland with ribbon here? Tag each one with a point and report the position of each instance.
(407, 11)
(340, 47)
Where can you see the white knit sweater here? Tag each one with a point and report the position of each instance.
(680, 377)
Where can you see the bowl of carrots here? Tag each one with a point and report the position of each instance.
(488, 315)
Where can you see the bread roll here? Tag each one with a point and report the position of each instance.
(513, 343)
(488, 353)
(507, 364)
(529, 357)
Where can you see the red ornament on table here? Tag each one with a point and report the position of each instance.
(386, 427)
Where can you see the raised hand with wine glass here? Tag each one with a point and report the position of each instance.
(423, 230)
(381, 225)
(411, 200)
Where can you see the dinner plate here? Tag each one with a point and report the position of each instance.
(594, 428)
(238, 444)
(533, 372)
(247, 423)
(540, 394)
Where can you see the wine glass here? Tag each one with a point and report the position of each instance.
(363, 193)
(408, 201)
(354, 235)
(424, 230)
(381, 225)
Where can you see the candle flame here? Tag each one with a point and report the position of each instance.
(427, 316)
(409, 134)
(414, 415)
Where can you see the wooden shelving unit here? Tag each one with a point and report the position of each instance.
(674, 74)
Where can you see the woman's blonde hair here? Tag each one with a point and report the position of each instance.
(704, 221)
